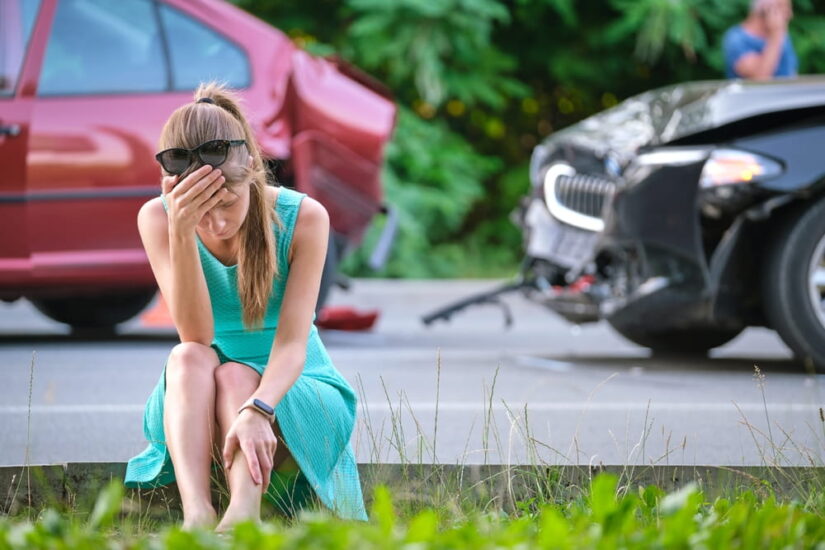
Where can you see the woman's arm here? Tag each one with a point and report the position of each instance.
(169, 241)
(288, 354)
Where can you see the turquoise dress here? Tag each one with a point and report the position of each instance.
(316, 415)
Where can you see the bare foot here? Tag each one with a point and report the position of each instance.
(204, 518)
(233, 516)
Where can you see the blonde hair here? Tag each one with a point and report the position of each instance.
(197, 122)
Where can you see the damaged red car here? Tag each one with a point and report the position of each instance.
(85, 87)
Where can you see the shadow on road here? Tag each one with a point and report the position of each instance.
(673, 362)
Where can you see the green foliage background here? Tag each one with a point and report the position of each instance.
(480, 82)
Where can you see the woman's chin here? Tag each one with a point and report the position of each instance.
(222, 236)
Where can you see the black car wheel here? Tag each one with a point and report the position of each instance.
(793, 287)
(685, 341)
(95, 312)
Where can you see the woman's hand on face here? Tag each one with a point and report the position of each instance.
(190, 199)
(252, 433)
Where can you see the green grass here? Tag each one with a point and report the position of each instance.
(605, 515)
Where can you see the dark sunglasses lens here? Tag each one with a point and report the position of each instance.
(214, 152)
(175, 161)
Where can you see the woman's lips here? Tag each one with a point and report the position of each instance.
(223, 234)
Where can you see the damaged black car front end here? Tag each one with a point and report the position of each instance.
(684, 215)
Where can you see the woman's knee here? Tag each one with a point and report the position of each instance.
(232, 377)
(189, 360)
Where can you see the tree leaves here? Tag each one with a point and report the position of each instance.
(565, 8)
(657, 23)
(443, 48)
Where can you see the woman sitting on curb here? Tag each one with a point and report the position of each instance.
(239, 264)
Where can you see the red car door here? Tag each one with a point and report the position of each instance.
(102, 97)
(18, 19)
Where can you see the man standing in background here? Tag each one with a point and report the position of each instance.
(759, 48)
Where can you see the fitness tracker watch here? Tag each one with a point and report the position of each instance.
(260, 407)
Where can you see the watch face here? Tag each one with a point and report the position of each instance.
(263, 406)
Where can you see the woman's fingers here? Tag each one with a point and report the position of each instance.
(167, 183)
(229, 447)
(249, 451)
(206, 199)
(259, 452)
(212, 202)
(266, 466)
(192, 179)
(204, 189)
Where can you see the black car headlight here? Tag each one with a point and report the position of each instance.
(733, 167)
(727, 180)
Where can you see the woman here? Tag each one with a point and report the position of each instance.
(239, 264)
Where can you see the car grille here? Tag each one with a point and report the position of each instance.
(577, 199)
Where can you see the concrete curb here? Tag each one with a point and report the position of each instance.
(76, 484)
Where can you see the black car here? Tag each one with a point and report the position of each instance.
(684, 215)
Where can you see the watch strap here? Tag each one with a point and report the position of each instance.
(260, 407)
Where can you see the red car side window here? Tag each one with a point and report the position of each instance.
(16, 23)
(198, 53)
(101, 47)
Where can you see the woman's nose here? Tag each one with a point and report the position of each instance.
(220, 224)
(212, 223)
(217, 224)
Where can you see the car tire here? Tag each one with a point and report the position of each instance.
(687, 341)
(793, 254)
(95, 312)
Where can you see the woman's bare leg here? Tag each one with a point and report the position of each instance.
(189, 424)
(234, 384)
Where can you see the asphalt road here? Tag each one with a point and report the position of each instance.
(465, 392)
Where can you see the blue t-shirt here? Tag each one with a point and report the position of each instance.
(738, 42)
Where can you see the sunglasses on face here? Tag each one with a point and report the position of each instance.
(176, 160)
